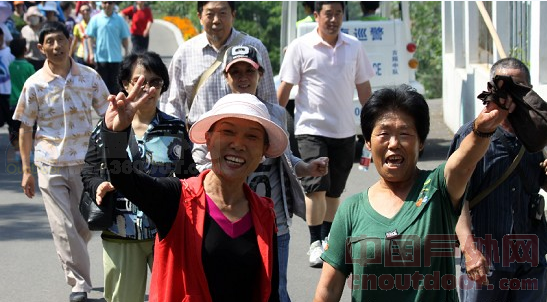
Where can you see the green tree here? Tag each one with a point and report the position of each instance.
(262, 19)
(175, 8)
(426, 31)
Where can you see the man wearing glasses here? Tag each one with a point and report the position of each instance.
(110, 33)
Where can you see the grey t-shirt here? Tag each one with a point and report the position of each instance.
(265, 181)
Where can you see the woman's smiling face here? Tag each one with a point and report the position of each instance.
(236, 146)
(242, 77)
(395, 146)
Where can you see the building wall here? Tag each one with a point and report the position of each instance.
(466, 71)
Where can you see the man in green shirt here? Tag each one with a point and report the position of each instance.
(308, 8)
(20, 70)
(369, 11)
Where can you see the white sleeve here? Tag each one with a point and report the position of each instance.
(290, 68)
(201, 157)
(365, 72)
(173, 101)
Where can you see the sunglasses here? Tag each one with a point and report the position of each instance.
(156, 83)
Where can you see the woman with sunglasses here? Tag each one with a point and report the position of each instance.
(158, 146)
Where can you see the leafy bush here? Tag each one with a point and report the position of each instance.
(426, 31)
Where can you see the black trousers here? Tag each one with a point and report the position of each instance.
(109, 73)
(5, 116)
(140, 43)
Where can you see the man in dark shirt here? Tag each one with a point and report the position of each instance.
(508, 213)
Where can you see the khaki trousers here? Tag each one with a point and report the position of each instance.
(61, 189)
(126, 267)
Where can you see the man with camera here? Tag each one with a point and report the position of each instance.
(506, 220)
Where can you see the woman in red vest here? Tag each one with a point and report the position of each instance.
(216, 237)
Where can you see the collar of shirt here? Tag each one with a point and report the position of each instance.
(203, 42)
(50, 76)
(316, 39)
(104, 15)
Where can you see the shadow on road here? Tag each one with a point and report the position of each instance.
(32, 227)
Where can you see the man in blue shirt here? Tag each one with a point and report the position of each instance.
(504, 220)
(110, 33)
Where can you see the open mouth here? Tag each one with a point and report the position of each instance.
(394, 161)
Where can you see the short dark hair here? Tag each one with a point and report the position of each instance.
(402, 98)
(201, 4)
(151, 61)
(66, 5)
(50, 27)
(369, 5)
(511, 63)
(319, 4)
(18, 47)
(310, 4)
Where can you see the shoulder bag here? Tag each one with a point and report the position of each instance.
(207, 73)
(475, 201)
(98, 217)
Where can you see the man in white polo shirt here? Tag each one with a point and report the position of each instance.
(327, 66)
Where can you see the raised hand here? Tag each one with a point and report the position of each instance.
(122, 109)
(492, 115)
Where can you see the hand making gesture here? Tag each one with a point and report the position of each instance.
(122, 109)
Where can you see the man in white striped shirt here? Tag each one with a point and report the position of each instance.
(196, 55)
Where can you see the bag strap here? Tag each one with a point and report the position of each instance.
(475, 201)
(207, 73)
(103, 170)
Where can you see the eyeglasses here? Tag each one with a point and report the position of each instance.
(156, 83)
(84, 9)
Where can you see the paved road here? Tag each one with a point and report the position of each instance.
(31, 270)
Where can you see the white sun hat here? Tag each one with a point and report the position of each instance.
(244, 106)
(50, 6)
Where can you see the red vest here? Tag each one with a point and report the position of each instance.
(178, 274)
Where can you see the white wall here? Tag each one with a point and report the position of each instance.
(464, 77)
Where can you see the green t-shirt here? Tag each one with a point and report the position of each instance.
(412, 243)
(308, 18)
(20, 70)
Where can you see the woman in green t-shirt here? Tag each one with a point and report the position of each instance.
(385, 236)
